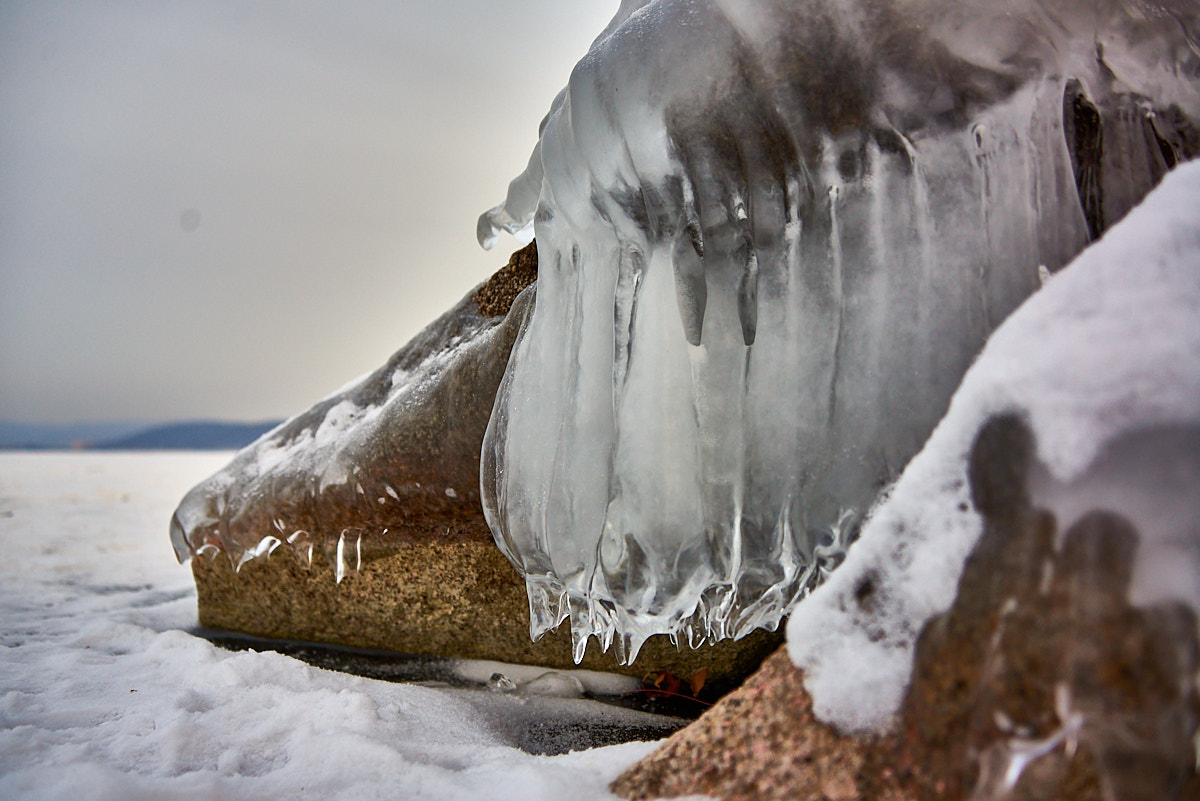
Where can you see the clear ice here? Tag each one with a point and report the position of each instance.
(772, 236)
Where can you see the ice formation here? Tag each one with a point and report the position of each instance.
(772, 237)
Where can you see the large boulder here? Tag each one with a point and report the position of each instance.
(1019, 618)
(358, 522)
(1042, 681)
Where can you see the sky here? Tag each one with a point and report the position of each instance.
(229, 209)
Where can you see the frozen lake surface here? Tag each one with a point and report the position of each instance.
(105, 695)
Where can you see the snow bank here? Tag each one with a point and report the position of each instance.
(1109, 345)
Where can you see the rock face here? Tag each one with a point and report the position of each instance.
(452, 595)
(358, 522)
(1042, 681)
(761, 741)
(495, 297)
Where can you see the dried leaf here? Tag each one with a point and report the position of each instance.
(660, 683)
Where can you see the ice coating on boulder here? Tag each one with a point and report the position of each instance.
(391, 458)
(772, 237)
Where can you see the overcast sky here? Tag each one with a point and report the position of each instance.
(228, 209)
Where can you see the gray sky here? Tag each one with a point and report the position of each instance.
(228, 209)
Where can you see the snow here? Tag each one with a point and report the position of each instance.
(772, 236)
(105, 695)
(1110, 346)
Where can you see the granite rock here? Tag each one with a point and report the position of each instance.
(358, 522)
(1042, 681)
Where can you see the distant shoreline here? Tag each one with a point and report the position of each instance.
(199, 435)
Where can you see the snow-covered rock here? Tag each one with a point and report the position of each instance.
(1109, 346)
(1042, 680)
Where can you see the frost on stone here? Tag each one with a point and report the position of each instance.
(772, 237)
(391, 457)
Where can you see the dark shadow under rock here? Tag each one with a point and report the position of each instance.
(536, 723)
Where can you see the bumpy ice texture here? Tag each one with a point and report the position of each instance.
(772, 237)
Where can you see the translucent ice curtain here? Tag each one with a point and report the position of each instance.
(772, 237)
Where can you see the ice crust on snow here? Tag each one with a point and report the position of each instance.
(772, 236)
(1108, 349)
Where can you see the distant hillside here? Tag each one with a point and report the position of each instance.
(52, 436)
(202, 435)
(196, 435)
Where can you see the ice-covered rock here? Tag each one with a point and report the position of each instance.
(358, 522)
(773, 235)
(1042, 681)
(1019, 616)
(390, 458)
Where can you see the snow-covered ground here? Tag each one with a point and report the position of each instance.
(104, 694)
